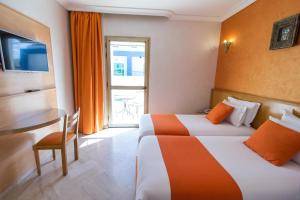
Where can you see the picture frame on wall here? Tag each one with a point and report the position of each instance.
(285, 32)
(1, 58)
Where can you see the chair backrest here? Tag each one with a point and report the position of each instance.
(69, 123)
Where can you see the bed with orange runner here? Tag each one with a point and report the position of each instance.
(187, 125)
(206, 168)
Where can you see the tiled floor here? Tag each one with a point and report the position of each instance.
(105, 171)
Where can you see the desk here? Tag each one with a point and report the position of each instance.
(32, 121)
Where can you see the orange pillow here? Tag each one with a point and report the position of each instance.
(275, 143)
(219, 113)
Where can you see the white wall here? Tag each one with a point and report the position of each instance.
(183, 54)
(183, 59)
(53, 15)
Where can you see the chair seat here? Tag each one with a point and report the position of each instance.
(54, 139)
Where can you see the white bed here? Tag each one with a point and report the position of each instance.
(256, 178)
(197, 125)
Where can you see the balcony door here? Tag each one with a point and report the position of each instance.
(127, 80)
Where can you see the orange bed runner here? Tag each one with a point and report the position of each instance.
(194, 173)
(168, 125)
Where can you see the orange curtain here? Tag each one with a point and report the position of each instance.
(87, 63)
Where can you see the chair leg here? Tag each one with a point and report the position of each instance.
(64, 161)
(53, 154)
(37, 161)
(76, 149)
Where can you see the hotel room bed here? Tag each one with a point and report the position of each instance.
(196, 125)
(221, 167)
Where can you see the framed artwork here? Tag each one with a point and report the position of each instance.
(1, 57)
(285, 33)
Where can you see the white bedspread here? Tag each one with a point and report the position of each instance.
(257, 178)
(197, 125)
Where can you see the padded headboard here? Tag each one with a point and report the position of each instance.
(269, 106)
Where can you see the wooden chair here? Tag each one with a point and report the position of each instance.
(59, 140)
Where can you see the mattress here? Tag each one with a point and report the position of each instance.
(256, 178)
(197, 125)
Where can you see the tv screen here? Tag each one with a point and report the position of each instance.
(21, 54)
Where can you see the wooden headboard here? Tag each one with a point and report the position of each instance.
(269, 106)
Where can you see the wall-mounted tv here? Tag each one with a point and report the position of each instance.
(22, 54)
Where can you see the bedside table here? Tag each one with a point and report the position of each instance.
(204, 111)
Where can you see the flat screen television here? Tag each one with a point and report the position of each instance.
(22, 54)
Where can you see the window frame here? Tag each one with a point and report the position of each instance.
(109, 87)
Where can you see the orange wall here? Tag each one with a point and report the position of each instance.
(250, 66)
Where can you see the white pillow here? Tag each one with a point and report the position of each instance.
(252, 108)
(292, 126)
(238, 115)
(290, 117)
(286, 124)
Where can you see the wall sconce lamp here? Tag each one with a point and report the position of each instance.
(227, 44)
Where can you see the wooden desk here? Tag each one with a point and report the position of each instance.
(32, 121)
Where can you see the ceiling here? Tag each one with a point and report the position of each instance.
(200, 10)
